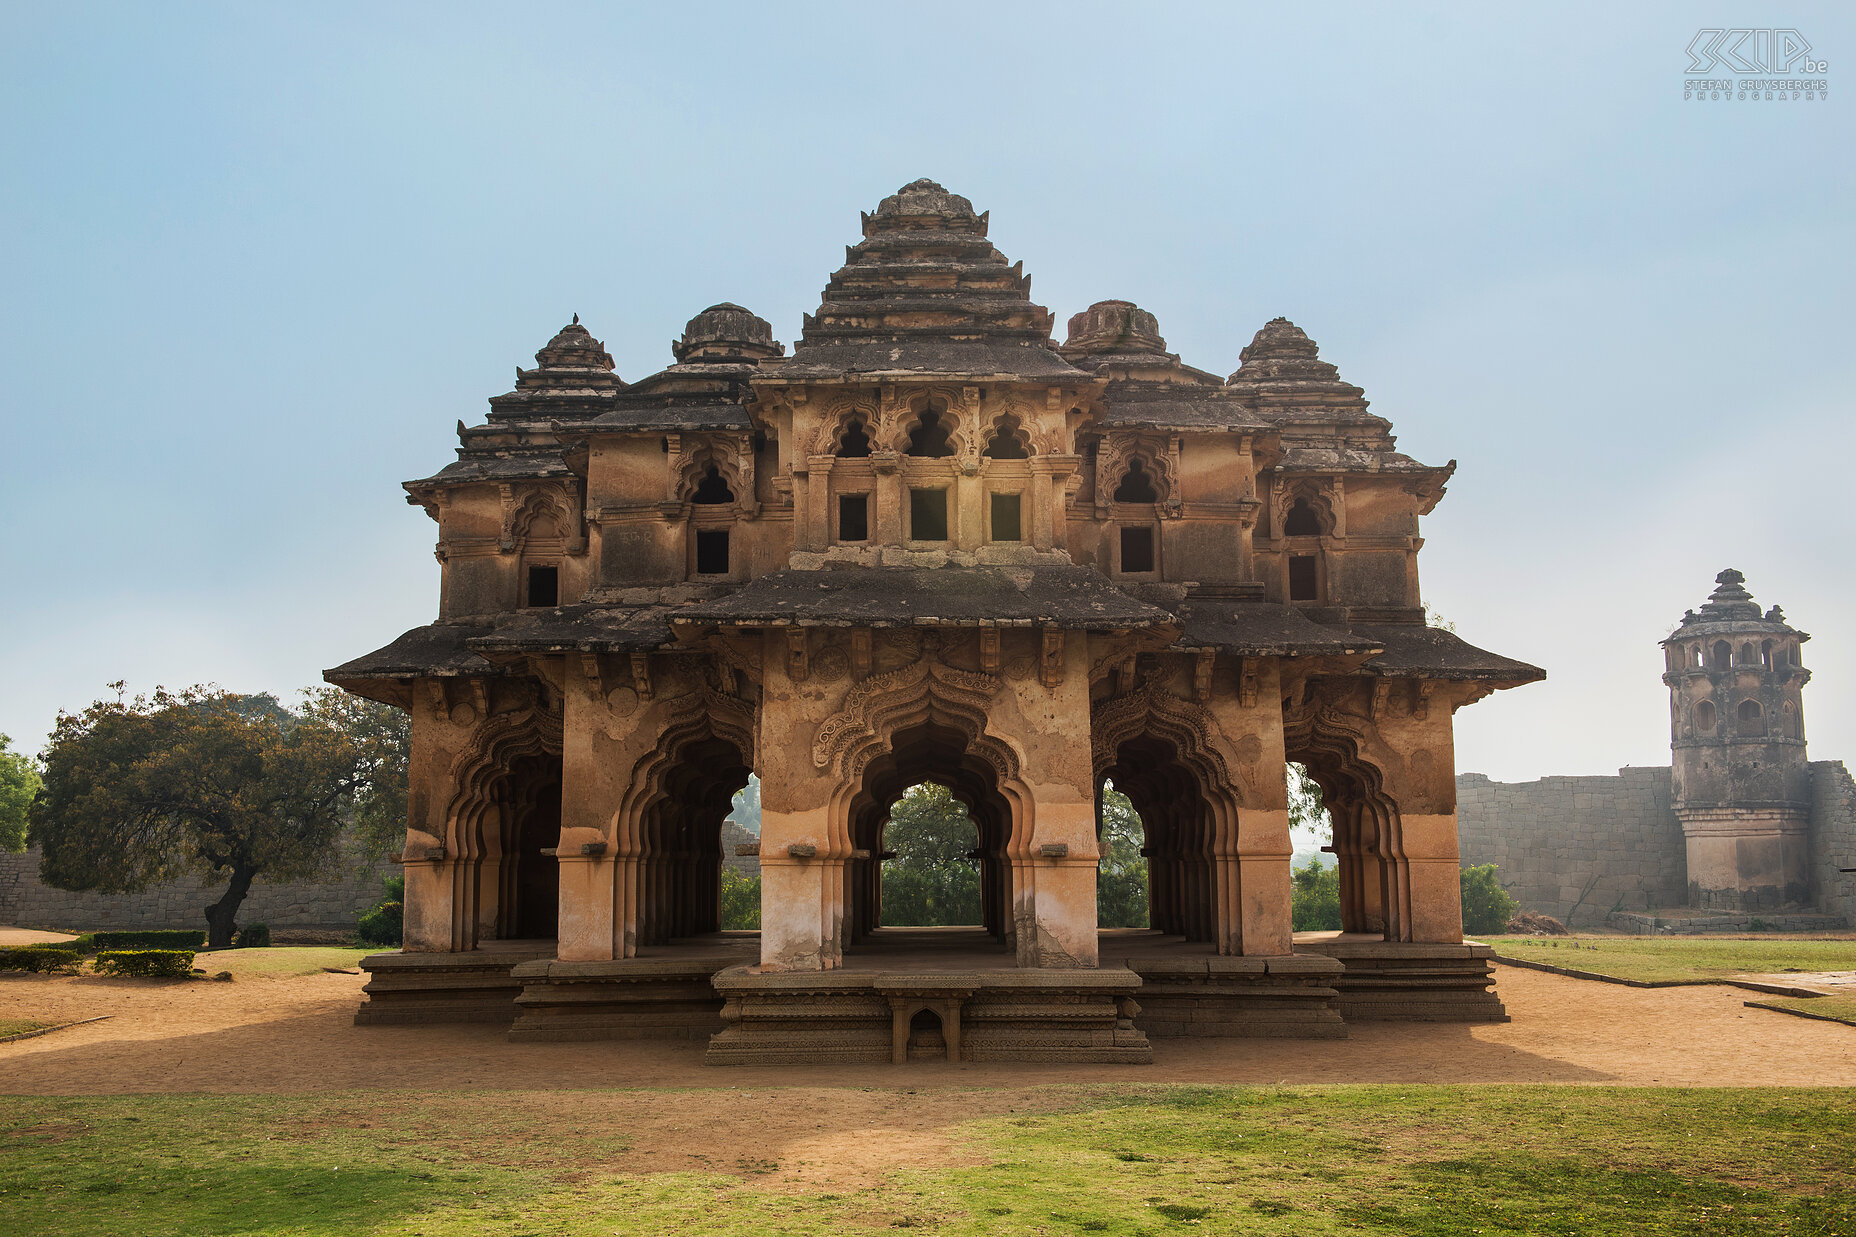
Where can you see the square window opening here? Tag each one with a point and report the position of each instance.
(1302, 577)
(1005, 518)
(928, 515)
(853, 517)
(711, 552)
(544, 586)
(1137, 549)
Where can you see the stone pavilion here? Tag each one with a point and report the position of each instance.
(929, 544)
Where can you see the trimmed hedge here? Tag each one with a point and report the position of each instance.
(255, 936)
(42, 959)
(154, 938)
(147, 963)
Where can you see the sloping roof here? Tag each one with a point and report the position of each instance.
(588, 628)
(1065, 596)
(1263, 629)
(437, 650)
(1416, 651)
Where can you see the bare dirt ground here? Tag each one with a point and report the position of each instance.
(797, 1130)
(297, 1035)
(12, 937)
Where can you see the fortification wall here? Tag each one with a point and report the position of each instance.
(1833, 838)
(1597, 844)
(27, 903)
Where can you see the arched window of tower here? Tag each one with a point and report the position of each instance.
(1301, 521)
(1751, 718)
(929, 438)
(1007, 440)
(1704, 716)
(712, 489)
(1721, 655)
(855, 444)
(1136, 485)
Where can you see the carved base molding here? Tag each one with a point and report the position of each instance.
(1401, 981)
(415, 988)
(670, 997)
(831, 1017)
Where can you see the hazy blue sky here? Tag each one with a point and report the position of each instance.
(258, 260)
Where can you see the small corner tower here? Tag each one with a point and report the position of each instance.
(1736, 723)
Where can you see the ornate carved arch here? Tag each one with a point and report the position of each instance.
(559, 500)
(1152, 710)
(881, 705)
(836, 419)
(499, 741)
(958, 408)
(1113, 456)
(733, 462)
(700, 714)
(1320, 498)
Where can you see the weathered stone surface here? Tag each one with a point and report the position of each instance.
(929, 545)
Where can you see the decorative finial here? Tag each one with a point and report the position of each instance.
(576, 319)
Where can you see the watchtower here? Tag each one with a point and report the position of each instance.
(1736, 719)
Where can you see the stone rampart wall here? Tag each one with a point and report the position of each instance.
(27, 903)
(1833, 838)
(1596, 844)
(1616, 840)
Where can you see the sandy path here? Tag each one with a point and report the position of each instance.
(11, 937)
(297, 1035)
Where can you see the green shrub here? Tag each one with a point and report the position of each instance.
(382, 925)
(740, 905)
(255, 936)
(1314, 897)
(147, 963)
(1487, 907)
(157, 938)
(43, 959)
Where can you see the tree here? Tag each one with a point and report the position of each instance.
(931, 882)
(1314, 897)
(740, 902)
(1487, 907)
(1121, 877)
(19, 782)
(1307, 808)
(144, 790)
(382, 738)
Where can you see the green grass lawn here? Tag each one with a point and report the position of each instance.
(1144, 1160)
(18, 1026)
(282, 962)
(1652, 958)
(1843, 1007)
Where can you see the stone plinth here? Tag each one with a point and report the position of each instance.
(446, 987)
(788, 1018)
(660, 997)
(1285, 997)
(1409, 982)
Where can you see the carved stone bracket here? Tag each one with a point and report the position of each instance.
(989, 650)
(1382, 690)
(1202, 675)
(1421, 698)
(1247, 683)
(1050, 665)
(798, 665)
(860, 652)
(589, 670)
(641, 675)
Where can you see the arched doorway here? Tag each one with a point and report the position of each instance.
(529, 908)
(964, 785)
